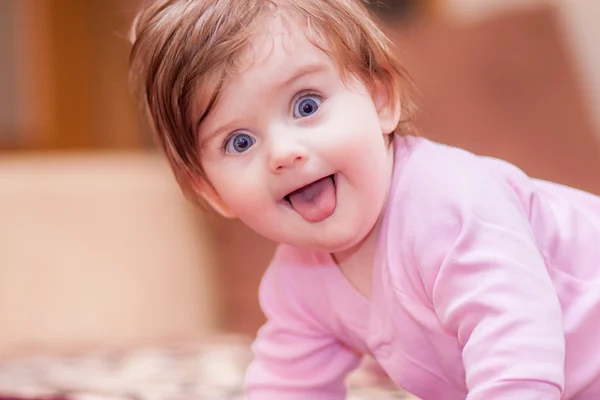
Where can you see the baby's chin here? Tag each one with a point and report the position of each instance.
(333, 235)
(327, 241)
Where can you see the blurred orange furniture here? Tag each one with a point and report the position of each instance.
(100, 249)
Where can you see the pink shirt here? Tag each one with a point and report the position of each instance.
(486, 285)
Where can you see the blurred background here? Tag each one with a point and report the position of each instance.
(98, 247)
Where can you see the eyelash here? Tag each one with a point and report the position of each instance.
(227, 140)
(299, 96)
(305, 93)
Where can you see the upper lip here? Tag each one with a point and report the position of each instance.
(285, 194)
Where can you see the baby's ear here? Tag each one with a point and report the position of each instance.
(388, 109)
(210, 195)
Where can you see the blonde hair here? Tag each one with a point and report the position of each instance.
(183, 51)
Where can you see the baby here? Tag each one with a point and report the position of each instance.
(461, 275)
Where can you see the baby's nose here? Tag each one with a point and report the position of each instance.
(286, 155)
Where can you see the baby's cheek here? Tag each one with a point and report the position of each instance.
(246, 198)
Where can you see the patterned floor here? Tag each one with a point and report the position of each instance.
(208, 371)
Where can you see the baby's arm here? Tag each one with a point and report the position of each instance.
(488, 283)
(296, 358)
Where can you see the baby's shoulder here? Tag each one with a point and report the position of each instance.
(436, 188)
(437, 170)
(427, 158)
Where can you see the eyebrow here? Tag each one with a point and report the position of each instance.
(299, 73)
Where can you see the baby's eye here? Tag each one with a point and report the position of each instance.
(238, 143)
(306, 106)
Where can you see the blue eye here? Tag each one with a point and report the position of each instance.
(307, 106)
(239, 143)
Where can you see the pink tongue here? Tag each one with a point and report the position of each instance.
(316, 201)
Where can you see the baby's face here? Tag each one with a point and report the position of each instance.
(297, 154)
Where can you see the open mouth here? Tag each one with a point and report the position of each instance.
(315, 201)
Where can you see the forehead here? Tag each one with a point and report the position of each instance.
(276, 52)
(275, 55)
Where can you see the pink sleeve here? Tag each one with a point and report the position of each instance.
(296, 358)
(488, 282)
